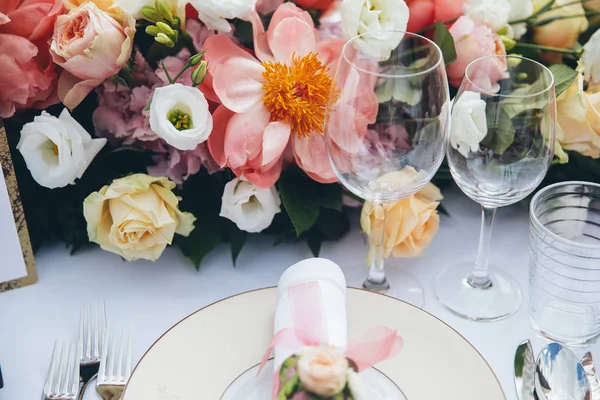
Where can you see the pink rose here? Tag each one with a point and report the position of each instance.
(425, 12)
(472, 41)
(31, 19)
(91, 46)
(27, 78)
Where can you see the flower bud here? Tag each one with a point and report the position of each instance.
(164, 39)
(152, 30)
(508, 42)
(166, 29)
(151, 14)
(195, 59)
(199, 73)
(164, 10)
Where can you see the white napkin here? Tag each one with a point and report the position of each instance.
(333, 291)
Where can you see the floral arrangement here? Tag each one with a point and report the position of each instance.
(132, 121)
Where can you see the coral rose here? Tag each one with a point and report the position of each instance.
(31, 19)
(474, 40)
(91, 46)
(410, 224)
(425, 12)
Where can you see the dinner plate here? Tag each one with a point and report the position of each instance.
(200, 357)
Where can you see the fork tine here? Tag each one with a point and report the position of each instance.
(99, 329)
(65, 372)
(75, 371)
(128, 362)
(61, 367)
(50, 378)
(81, 333)
(113, 353)
(119, 341)
(103, 358)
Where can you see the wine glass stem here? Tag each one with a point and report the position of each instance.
(480, 277)
(376, 280)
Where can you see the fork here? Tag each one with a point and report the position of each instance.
(115, 365)
(92, 326)
(62, 382)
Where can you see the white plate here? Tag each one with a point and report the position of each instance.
(198, 358)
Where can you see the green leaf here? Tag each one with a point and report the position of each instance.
(563, 77)
(204, 238)
(314, 244)
(331, 196)
(501, 131)
(333, 225)
(445, 41)
(516, 105)
(238, 240)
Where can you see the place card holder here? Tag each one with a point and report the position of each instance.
(17, 266)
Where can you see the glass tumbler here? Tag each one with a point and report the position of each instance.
(564, 263)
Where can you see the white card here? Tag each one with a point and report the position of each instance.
(12, 265)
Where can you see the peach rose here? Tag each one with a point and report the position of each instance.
(91, 46)
(27, 78)
(474, 40)
(562, 33)
(31, 19)
(108, 6)
(410, 224)
(322, 370)
(579, 119)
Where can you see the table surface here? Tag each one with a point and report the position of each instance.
(155, 296)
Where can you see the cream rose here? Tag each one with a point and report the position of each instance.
(562, 33)
(519, 10)
(578, 116)
(250, 207)
(179, 114)
(215, 13)
(469, 123)
(590, 59)
(322, 370)
(90, 46)
(136, 217)
(57, 150)
(410, 224)
(374, 16)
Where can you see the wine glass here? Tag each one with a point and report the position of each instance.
(385, 131)
(501, 146)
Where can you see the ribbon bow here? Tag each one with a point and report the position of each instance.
(310, 329)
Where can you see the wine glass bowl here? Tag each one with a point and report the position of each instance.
(501, 146)
(386, 127)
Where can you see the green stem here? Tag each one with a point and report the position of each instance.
(187, 66)
(546, 48)
(166, 72)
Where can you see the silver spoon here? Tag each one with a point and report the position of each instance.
(560, 376)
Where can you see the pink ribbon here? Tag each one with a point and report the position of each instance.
(310, 329)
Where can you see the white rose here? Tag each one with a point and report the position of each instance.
(519, 10)
(215, 13)
(372, 16)
(468, 124)
(493, 13)
(180, 116)
(134, 7)
(591, 59)
(322, 370)
(57, 150)
(251, 208)
(357, 386)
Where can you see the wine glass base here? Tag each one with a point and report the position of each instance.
(498, 301)
(400, 285)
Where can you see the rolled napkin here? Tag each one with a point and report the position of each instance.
(313, 358)
(298, 305)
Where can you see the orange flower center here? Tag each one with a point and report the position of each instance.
(297, 93)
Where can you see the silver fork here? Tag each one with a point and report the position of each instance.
(62, 382)
(92, 326)
(115, 365)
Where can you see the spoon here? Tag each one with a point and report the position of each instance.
(560, 376)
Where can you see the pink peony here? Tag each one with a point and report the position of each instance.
(31, 19)
(474, 40)
(27, 78)
(254, 126)
(91, 46)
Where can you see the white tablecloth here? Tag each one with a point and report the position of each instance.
(154, 296)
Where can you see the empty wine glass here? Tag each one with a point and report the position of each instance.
(385, 131)
(501, 145)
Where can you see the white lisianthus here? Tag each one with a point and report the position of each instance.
(374, 16)
(519, 10)
(57, 150)
(134, 7)
(591, 59)
(180, 116)
(250, 207)
(215, 13)
(469, 123)
(493, 13)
